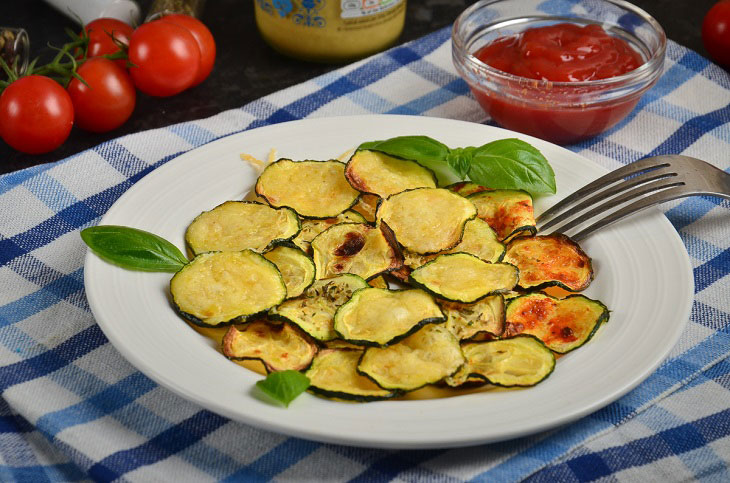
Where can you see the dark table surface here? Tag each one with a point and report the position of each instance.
(247, 69)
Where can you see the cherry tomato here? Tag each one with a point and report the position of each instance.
(716, 32)
(205, 42)
(166, 56)
(108, 100)
(100, 41)
(36, 114)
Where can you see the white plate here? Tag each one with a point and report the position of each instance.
(643, 275)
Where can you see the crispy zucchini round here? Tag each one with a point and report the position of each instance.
(466, 188)
(549, 260)
(426, 220)
(333, 373)
(466, 321)
(217, 288)
(377, 173)
(367, 205)
(315, 189)
(311, 227)
(381, 317)
(296, 268)
(239, 225)
(461, 277)
(508, 212)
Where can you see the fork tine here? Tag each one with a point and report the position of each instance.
(628, 170)
(643, 178)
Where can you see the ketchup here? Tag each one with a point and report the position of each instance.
(557, 53)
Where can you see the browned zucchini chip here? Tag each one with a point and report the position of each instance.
(461, 277)
(311, 227)
(425, 357)
(478, 240)
(550, 260)
(296, 268)
(426, 220)
(224, 287)
(239, 225)
(367, 205)
(377, 173)
(380, 317)
(278, 345)
(333, 373)
(466, 321)
(466, 188)
(562, 324)
(314, 310)
(519, 361)
(316, 189)
(354, 248)
(508, 212)
(378, 282)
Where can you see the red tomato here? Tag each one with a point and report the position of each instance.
(100, 41)
(108, 100)
(716, 32)
(205, 42)
(36, 114)
(166, 57)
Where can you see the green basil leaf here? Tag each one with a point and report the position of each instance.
(133, 249)
(460, 160)
(512, 164)
(284, 386)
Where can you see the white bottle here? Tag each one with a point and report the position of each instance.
(87, 10)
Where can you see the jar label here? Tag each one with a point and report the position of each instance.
(365, 8)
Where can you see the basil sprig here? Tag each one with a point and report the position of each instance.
(133, 249)
(284, 386)
(506, 163)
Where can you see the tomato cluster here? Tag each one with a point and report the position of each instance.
(166, 57)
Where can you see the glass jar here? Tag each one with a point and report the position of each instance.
(14, 49)
(330, 30)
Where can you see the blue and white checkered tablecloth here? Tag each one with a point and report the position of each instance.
(73, 409)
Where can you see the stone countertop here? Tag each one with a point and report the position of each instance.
(246, 68)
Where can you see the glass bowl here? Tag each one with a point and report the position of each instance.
(560, 112)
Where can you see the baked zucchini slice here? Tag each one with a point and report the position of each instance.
(367, 205)
(217, 288)
(333, 373)
(311, 227)
(562, 324)
(296, 268)
(520, 361)
(354, 248)
(315, 189)
(239, 225)
(461, 277)
(548, 260)
(377, 173)
(466, 188)
(314, 310)
(508, 212)
(278, 345)
(378, 282)
(425, 357)
(381, 317)
(466, 321)
(426, 220)
(478, 240)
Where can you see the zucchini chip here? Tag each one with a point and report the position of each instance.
(296, 268)
(354, 248)
(519, 361)
(478, 240)
(314, 310)
(550, 260)
(216, 288)
(562, 324)
(466, 188)
(311, 227)
(425, 357)
(426, 220)
(333, 373)
(377, 173)
(380, 317)
(508, 212)
(239, 225)
(378, 282)
(367, 205)
(316, 189)
(461, 277)
(279, 346)
(467, 321)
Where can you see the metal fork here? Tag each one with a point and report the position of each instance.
(668, 177)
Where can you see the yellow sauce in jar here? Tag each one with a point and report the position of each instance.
(330, 30)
